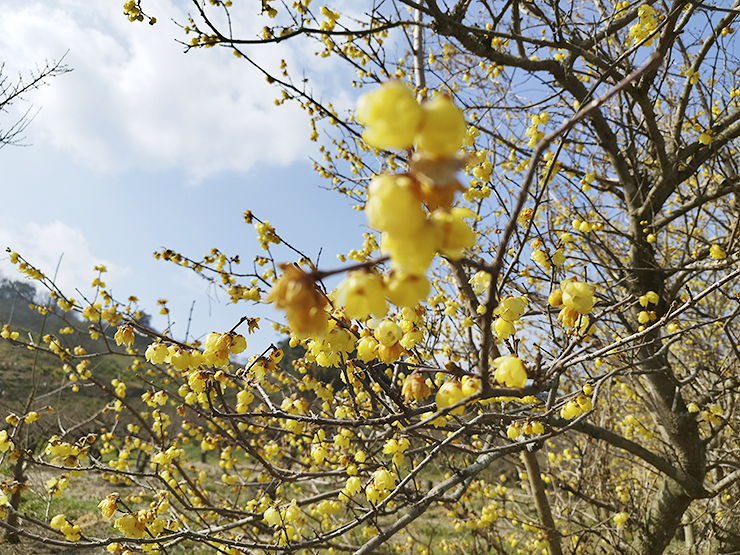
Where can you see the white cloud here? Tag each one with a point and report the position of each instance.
(134, 100)
(47, 245)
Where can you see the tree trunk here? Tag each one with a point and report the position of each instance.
(543, 506)
(679, 427)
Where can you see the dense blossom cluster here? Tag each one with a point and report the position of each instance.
(533, 351)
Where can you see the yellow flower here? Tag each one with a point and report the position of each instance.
(156, 353)
(412, 254)
(455, 234)
(524, 216)
(443, 127)
(391, 116)
(513, 431)
(415, 387)
(480, 282)
(394, 206)
(555, 298)
(124, 335)
(470, 385)
(406, 290)
(5, 442)
(362, 293)
(109, 505)
(31, 417)
(448, 394)
(577, 295)
(716, 252)
(367, 347)
(568, 317)
(620, 518)
(566, 238)
(388, 333)
(570, 410)
(503, 328)
(383, 479)
(540, 257)
(558, 258)
(512, 308)
(296, 292)
(510, 371)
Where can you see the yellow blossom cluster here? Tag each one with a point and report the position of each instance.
(384, 341)
(331, 19)
(576, 407)
(576, 298)
(65, 452)
(140, 524)
(55, 486)
(542, 257)
(533, 131)
(218, 347)
(5, 333)
(380, 486)
(645, 25)
(509, 310)
(393, 119)
(71, 531)
(333, 347)
(396, 448)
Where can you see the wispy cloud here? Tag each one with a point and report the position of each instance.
(134, 100)
(55, 244)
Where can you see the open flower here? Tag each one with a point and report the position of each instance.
(450, 393)
(362, 293)
(296, 292)
(415, 387)
(510, 371)
(391, 116)
(577, 295)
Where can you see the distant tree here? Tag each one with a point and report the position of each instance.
(11, 290)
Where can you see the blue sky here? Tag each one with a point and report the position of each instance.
(142, 147)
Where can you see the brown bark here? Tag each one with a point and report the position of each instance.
(541, 502)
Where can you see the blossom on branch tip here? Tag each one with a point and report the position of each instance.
(124, 335)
